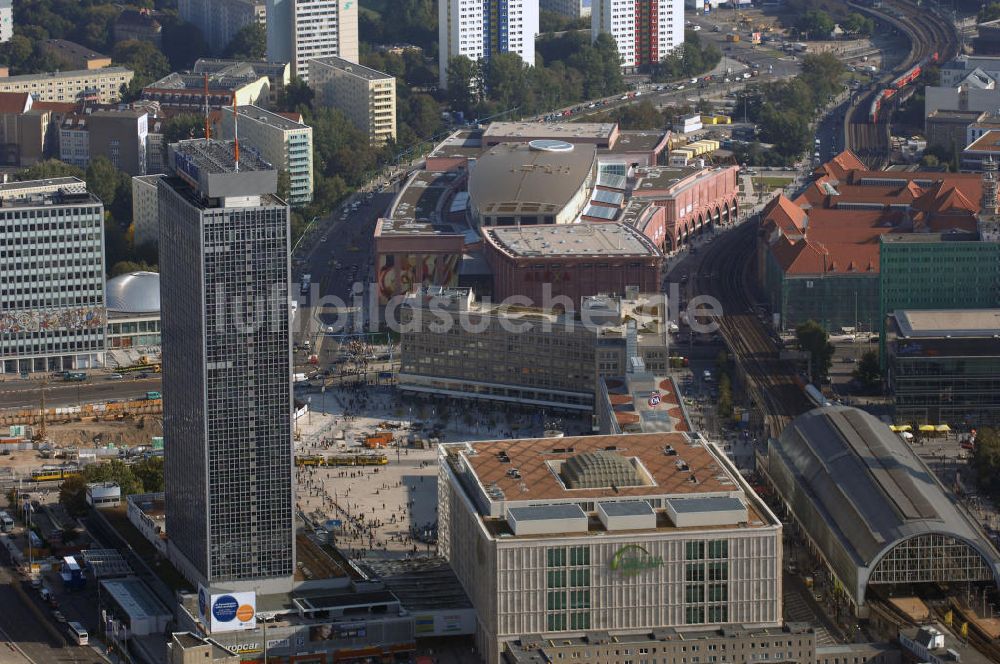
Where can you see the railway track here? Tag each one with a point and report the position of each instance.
(929, 33)
(773, 384)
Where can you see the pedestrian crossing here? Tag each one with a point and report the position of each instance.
(798, 610)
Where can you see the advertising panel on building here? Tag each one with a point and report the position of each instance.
(227, 612)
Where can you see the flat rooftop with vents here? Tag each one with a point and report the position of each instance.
(601, 134)
(595, 484)
(585, 239)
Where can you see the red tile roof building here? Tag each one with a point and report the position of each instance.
(833, 230)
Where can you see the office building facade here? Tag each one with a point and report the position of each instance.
(622, 534)
(282, 142)
(224, 245)
(646, 31)
(479, 29)
(944, 366)
(300, 30)
(52, 258)
(366, 96)
(522, 355)
(220, 20)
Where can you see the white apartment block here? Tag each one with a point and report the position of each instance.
(278, 140)
(568, 8)
(99, 85)
(300, 30)
(52, 311)
(620, 534)
(6, 20)
(145, 213)
(366, 96)
(220, 20)
(478, 29)
(646, 31)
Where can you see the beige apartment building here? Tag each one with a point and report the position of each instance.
(366, 96)
(100, 85)
(279, 140)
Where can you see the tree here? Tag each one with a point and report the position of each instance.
(725, 403)
(183, 126)
(460, 82)
(73, 495)
(812, 338)
(296, 95)
(423, 115)
(815, 24)
(989, 12)
(50, 168)
(127, 267)
(856, 23)
(102, 180)
(284, 184)
(505, 78)
(929, 160)
(868, 371)
(149, 472)
(986, 461)
(142, 57)
(249, 43)
(183, 43)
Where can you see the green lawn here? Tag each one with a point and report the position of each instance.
(771, 182)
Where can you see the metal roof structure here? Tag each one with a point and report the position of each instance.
(106, 563)
(512, 178)
(627, 508)
(707, 504)
(547, 512)
(134, 293)
(592, 470)
(864, 497)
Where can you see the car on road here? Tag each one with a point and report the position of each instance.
(60, 618)
(696, 27)
(115, 376)
(717, 29)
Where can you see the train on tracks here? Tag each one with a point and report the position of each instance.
(897, 85)
(51, 473)
(342, 460)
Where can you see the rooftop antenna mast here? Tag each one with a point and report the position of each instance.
(208, 133)
(236, 135)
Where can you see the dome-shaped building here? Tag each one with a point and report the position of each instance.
(133, 304)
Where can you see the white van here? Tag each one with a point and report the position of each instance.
(78, 633)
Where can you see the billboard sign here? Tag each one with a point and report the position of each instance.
(227, 612)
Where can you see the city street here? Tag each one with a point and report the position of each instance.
(96, 389)
(32, 632)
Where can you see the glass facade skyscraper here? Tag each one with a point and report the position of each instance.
(226, 370)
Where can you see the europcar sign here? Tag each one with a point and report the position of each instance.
(633, 559)
(227, 612)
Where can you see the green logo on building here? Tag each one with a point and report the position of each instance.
(634, 559)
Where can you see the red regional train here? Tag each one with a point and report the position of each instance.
(900, 82)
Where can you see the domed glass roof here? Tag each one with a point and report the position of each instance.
(136, 292)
